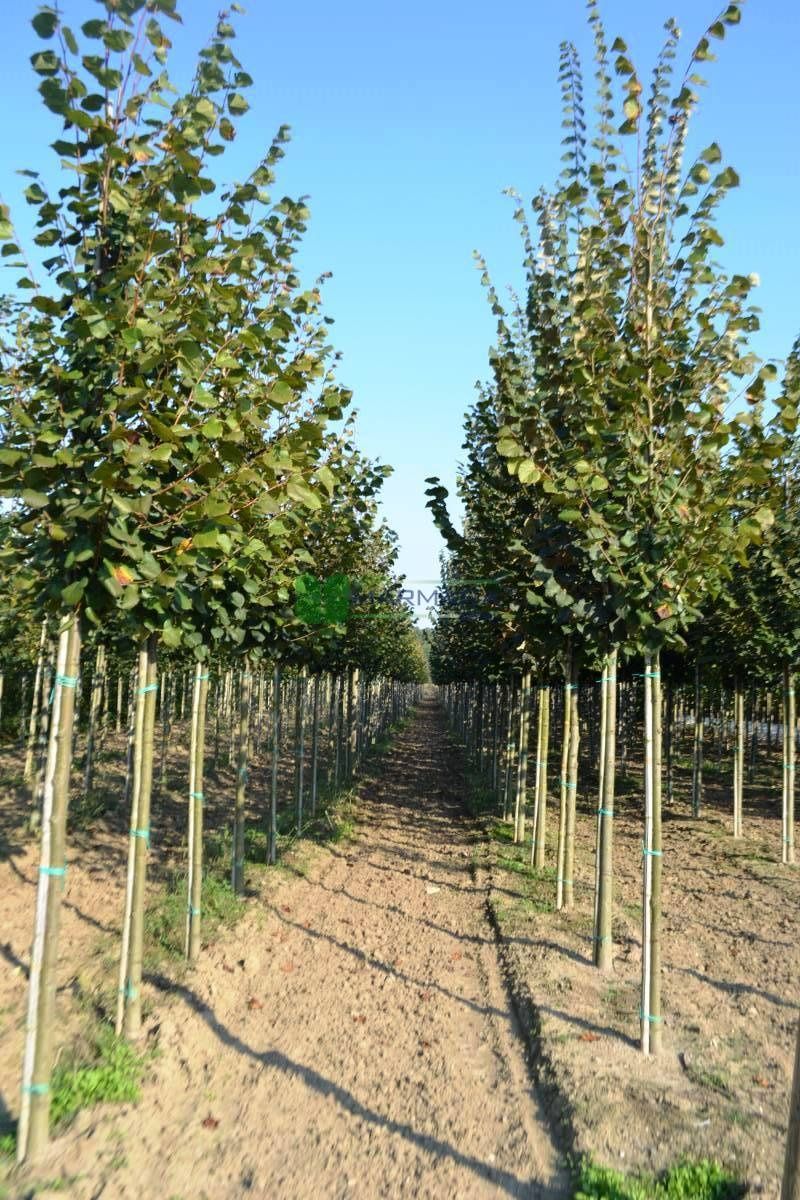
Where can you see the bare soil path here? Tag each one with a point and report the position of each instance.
(352, 1038)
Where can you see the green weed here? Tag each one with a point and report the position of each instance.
(111, 1072)
(165, 917)
(686, 1181)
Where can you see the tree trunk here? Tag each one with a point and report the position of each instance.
(197, 749)
(129, 1005)
(33, 1127)
(522, 758)
(272, 854)
(242, 761)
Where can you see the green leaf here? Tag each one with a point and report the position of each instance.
(45, 23)
(34, 499)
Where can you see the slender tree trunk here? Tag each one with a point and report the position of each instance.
(36, 706)
(314, 743)
(789, 722)
(738, 773)
(603, 947)
(300, 749)
(120, 699)
(571, 789)
(538, 776)
(129, 1011)
(197, 751)
(272, 856)
(33, 1126)
(95, 701)
(566, 733)
(656, 853)
(522, 758)
(697, 761)
(242, 761)
(541, 781)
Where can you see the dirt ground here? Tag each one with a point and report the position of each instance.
(731, 962)
(351, 1038)
(363, 1030)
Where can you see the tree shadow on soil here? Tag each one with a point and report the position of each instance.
(735, 989)
(388, 968)
(589, 1026)
(394, 910)
(511, 1184)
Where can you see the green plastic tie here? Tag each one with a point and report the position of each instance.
(203, 678)
(67, 680)
(607, 679)
(148, 687)
(560, 879)
(788, 766)
(37, 1089)
(129, 991)
(142, 833)
(568, 784)
(52, 870)
(602, 937)
(649, 1017)
(652, 853)
(194, 912)
(196, 795)
(605, 812)
(571, 687)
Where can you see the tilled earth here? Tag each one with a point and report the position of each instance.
(351, 1038)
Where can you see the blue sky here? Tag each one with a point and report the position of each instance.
(408, 121)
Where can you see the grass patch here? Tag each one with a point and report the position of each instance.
(702, 1180)
(109, 1072)
(709, 1079)
(89, 807)
(165, 917)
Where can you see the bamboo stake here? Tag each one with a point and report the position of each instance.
(95, 701)
(299, 747)
(314, 743)
(647, 872)
(541, 779)
(522, 758)
(571, 784)
(603, 945)
(789, 756)
(697, 761)
(129, 1011)
(656, 853)
(242, 760)
(738, 762)
(197, 748)
(36, 706)
(276, 745)
(32, 1131)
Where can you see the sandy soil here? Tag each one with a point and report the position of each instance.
(91, 911)
(731, 963)
(351, 1038)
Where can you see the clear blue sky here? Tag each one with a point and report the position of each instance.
(408, 121)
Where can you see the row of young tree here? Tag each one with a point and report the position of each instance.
(630, 487)
(181, 484)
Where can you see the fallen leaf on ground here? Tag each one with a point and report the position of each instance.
(254, 1003)
(359, 1018)
(455, 956)
(590, 1037)
(210, 1122)
(287, 967)
(760, 1081)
